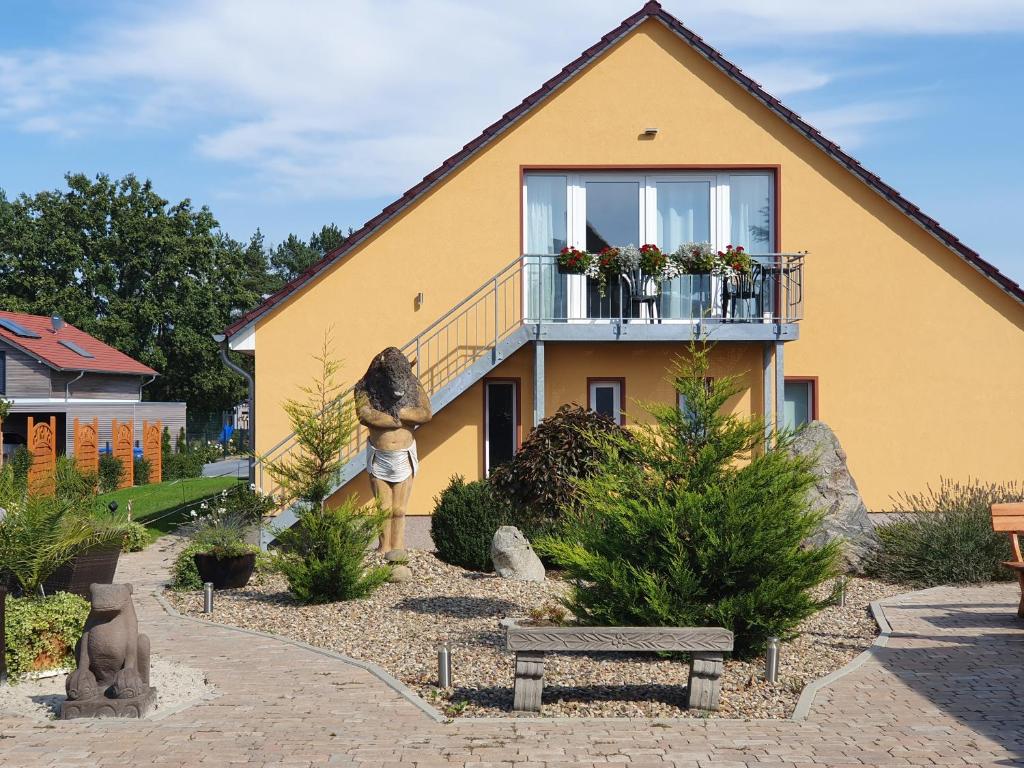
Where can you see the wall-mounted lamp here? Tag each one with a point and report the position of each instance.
(650, 132)
(419, 300)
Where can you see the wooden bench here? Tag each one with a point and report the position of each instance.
(706, 644)
(1009, 518)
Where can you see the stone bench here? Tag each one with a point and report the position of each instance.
(706, 644)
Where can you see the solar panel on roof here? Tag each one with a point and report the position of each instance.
(18, 330)
(76, 349)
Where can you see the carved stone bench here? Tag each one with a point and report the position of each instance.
(706, 644)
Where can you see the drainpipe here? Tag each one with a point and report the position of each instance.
(146, 384)
(67, 387)
(222, 343)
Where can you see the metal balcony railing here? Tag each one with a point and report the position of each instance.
(771, 293)
(532, 290)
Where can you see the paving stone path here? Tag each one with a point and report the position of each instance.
(943, 692)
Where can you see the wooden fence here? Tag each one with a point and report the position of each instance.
(42, 445)
(123, 433)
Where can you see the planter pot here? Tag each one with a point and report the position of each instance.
(567, 271)
(95, 566)
(225, 572)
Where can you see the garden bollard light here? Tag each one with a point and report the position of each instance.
(841, 583)
(208, 597)
(3, 641)
(771, 661)
(444, 665)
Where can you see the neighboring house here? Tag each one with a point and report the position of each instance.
(904, 340)
(49, 368)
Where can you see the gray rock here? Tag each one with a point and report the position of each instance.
(835, 491)
(514, 557)
(401, 574)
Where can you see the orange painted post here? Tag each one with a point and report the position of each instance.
(152, 449)
(42, 445)
(87, 446)
(122, 436)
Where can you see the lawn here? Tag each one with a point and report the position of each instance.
(162, 506)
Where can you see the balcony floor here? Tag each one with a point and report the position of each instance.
(642, 330)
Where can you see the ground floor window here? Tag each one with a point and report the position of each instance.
(501, 421)
(801, 402)
(605, 397)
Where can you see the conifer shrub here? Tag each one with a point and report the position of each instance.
(692, 522)
(466, 517)
(323, 555)
(944, 536)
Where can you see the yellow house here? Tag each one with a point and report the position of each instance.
(861, 310)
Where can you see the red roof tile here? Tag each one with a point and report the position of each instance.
(651, 10)
(48, 347)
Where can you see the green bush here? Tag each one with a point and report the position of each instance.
(111, 473)
(41, 632)
(945, 536)
(324, 555)
(691, 522)
(184, 575)
(141, 471)
(20, 462)
(466, 515)
(71, 482)
(181, 466)
(541, 480)
(136, 538)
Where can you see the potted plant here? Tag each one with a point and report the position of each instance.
(652, 261)
(572, 261)
(604, 266)
(220, 551)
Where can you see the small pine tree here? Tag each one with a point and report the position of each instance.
(692, 522)
(323, 425)
(165, 443)
(324, 553)
(182, 445)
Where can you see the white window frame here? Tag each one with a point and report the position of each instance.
(616, 385)
(487, 419)
(719, 206)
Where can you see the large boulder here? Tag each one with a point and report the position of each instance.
(513, 556)
(835, 491)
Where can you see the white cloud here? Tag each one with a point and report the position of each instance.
(360, 98)
(850, 125)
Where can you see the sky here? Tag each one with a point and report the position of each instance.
(290, 115)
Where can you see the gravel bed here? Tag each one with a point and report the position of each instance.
(400, 626)
(177, 687)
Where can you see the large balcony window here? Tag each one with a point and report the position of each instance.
(592, 211)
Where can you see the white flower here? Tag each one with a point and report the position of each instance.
(194, 514)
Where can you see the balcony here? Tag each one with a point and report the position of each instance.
(764, 305)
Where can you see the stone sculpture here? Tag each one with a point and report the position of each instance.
(835, 492)
(392, 404)
(513, 556)
(112, 678)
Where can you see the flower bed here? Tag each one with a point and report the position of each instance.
(400, 626)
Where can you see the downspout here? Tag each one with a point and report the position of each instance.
(222, 344)
(67, 387)
(146, 384)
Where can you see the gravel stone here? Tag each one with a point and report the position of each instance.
(400, 626)
(177, 686)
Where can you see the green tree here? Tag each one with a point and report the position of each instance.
(294, 256)
(151, 278)
(691, 522)
(323, 425)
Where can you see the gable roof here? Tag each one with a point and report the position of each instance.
(51, 352)
(651, 10)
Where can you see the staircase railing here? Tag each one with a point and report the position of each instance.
(463, 335)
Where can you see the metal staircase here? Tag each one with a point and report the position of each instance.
(448, 357)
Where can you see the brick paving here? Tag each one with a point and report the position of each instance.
(943, 692)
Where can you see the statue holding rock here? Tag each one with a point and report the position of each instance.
(392, 404)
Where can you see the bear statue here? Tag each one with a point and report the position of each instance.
(112, 678)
